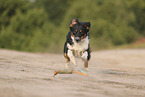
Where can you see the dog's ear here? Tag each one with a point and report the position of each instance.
(87, 25)
(73, 22)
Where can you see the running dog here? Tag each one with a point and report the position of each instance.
(77, 43)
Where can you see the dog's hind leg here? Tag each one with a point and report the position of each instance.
(86, 63)
(67, 66)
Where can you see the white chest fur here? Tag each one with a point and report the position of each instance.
(81, 46)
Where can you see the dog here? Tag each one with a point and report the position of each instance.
(77, 43)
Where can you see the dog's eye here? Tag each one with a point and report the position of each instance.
(81, 31)
(75, 31)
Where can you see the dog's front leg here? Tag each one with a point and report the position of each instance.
(84, 58)
(72, 58)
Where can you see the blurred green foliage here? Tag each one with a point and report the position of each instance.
(42, 25)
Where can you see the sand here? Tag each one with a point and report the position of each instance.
(112, 73)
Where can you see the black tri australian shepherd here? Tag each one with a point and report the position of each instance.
(77, 43)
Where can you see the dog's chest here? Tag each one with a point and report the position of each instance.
(81, 46)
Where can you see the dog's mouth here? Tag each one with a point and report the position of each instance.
(77, 39)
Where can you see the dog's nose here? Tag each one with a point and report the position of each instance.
(77, 39)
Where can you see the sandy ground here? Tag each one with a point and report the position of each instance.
(112, 73)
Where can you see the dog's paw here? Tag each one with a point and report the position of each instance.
(86, 69)
(75, 64)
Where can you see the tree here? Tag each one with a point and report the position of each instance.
(138, 7)
(8, 9)
(55, 9)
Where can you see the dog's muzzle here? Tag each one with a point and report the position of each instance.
(77, 39)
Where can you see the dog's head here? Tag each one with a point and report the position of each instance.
(79, 30)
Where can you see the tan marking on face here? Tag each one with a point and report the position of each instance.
(83, 36)
(81, 32)
(72, 35)
(71, 25)
(87, 27)
(74, 21)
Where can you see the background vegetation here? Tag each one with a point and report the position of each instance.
(42, 25)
